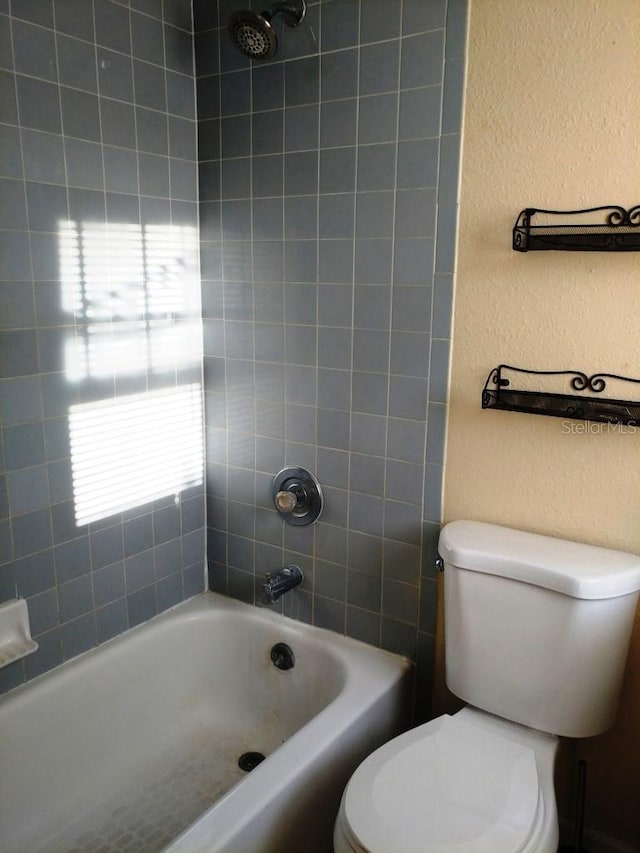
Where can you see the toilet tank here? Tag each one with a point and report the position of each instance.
(537, 629)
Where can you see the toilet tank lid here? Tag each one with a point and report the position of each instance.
(571, 568)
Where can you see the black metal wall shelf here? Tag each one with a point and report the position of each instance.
(499, 393)
(571, 230)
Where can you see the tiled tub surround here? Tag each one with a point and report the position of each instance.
(98, 216)
(328, 197)
(167, 745)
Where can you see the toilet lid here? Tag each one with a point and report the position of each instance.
(446, 786)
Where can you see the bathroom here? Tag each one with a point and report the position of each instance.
(325, 342)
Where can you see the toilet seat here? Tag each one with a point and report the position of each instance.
(449, 785)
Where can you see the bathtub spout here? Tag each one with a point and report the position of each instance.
(277, 584)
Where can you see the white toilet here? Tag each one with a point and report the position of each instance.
(537, 631)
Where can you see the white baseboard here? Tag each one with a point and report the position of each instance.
(595, 842)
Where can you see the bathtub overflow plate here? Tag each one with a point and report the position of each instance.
(282, 656)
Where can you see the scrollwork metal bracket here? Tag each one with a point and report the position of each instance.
(501, 391)
(573, 230)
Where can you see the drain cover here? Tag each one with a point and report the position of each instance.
(249, 760)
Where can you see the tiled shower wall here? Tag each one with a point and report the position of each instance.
(328, 188)
(97, 129)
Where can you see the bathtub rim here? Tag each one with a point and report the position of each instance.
(192, 609)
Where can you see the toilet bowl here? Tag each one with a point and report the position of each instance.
(536, 638)
(470, 783)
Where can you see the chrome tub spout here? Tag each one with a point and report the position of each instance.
(280, 582)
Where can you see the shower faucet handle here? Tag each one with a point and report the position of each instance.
(285, 501)
(297, 495)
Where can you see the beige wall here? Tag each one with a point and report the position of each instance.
(552, 119)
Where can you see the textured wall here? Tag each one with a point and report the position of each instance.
(552, 120)
(328, 183)
(97, 129)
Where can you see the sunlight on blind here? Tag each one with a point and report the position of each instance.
(113, 349)
(132, 450)
(129, 288)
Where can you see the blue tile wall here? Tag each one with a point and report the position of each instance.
(327, 182)
(328, 192)
(97, 121)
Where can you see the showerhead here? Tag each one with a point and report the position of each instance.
(254, 35)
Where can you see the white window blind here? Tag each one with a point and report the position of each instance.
(131, 450)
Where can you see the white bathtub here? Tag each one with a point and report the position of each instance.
(134, 746)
